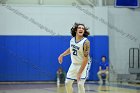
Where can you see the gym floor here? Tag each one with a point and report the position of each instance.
(91, 87)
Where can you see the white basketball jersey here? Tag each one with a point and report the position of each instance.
(76, 50)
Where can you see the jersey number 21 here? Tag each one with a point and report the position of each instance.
(74, 52)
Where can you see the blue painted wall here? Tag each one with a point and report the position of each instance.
(34, 58)
(100, 48)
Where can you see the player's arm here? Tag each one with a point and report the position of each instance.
(85, 58)
(60, 58)
(67, 52)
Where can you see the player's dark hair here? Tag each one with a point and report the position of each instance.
(74, 29)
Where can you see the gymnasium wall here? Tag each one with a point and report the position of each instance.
(48, 2)
(127, 36)
(32, 37)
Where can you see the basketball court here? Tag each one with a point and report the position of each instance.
(91, 87)
(33, 33)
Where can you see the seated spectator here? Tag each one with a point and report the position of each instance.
(60, 76)
(103, 69)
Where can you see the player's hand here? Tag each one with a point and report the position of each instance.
(60, 59)
(79, 77)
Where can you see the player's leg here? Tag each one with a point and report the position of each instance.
(81, 87)
(68, 85)
(71, 76)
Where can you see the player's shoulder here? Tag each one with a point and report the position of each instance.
(87, 41)
(72, 39)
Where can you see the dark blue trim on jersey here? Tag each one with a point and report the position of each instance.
(70, 78)
(79, 40)
(82, 78)
(87, 70)
(74, 79)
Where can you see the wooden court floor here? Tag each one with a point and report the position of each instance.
(91, 87)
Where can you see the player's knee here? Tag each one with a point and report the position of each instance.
(81, 84)
(68, 83)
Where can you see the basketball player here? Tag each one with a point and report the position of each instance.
(79, 51)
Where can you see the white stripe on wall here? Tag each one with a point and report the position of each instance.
(49, 20)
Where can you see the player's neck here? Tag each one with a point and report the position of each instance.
(78, 38)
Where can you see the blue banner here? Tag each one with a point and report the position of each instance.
(127, 3)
